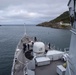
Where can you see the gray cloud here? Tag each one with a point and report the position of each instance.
(30, 11)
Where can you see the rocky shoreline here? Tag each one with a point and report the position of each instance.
(60, 22)
(54, 25)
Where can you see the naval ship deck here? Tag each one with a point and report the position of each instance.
(39, 70)
(49, 69)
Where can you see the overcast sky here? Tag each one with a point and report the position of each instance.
(30, 11)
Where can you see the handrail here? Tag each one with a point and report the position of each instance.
(66, 49)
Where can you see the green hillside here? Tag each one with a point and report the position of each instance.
(55, 22)
(63, 17)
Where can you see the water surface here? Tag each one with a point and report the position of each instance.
(10, 36)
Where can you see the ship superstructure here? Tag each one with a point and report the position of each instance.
(71, 68)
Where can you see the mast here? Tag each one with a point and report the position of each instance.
(71, 61)
(24, 29)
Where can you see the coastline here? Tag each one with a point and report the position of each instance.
(56, 27)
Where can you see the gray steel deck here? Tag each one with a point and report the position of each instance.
(25, 39)
(48, 69)
(43, 70)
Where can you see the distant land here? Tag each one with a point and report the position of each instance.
(61, 22)
(17, 25)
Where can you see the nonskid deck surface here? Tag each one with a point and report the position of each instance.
(48, 69)
(26, 40)
(43, 70)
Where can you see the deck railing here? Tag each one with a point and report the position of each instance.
(53, 47)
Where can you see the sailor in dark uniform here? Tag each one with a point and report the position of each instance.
(35, 39)
(28, 46)
(24, 47)
(49, 45)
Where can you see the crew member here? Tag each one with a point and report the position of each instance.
(49, 45)
(24, 47)
(35, 39)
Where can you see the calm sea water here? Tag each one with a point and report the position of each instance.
(10, 36)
